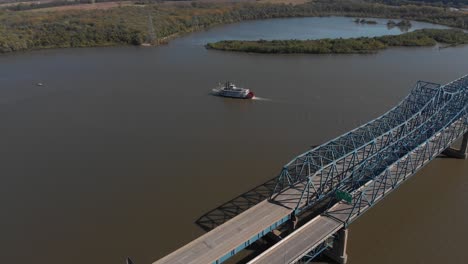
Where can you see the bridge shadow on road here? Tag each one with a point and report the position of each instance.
(234, 207)
(241, 203)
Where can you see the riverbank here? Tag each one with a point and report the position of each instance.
(156, 23)
(418, 38)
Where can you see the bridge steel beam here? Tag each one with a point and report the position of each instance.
(320, 183)
(372, 167)
(432, 141)
(316, 251)
(306, 164)
(449, 119)
(452, 124)
(428, 120)
(374, 190)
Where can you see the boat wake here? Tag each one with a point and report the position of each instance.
(256, 98)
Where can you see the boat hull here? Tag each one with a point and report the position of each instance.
(248, 95)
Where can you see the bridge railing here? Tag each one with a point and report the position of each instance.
(330, 179)
(334, 149)
(445, 129)
(323, 181)
(441, 119)
(435, 136)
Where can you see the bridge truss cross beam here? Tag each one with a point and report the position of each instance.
(356, 143)
(435, 135)
(317, 174)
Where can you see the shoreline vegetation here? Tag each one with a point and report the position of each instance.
(404, 24)
(363, 45)
(365, 21)
(153, 23)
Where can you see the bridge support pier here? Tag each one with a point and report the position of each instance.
(461, 153)
(293, 222)
(338, 251)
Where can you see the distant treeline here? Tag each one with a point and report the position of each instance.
(453, 3)
(129, 25)
(422, 37)
(32, 5)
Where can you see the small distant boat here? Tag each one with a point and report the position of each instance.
(39, 84)
(229, 89)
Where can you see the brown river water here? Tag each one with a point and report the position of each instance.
(122, 149)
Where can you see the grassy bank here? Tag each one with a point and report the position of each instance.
(156, 23)
(423, 37)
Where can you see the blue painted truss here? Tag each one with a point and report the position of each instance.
(369, 169)
(350, 160)
(390, 168)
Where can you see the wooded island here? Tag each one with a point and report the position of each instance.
(422, 37)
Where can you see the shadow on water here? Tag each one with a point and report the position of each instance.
(442, 156)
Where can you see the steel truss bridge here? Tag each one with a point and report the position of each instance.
(340, 180)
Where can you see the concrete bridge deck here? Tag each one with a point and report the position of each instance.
(238, 233)
(298, 243)
(303, 240)
(215, 244)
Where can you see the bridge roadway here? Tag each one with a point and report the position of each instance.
(244, 229)
(303, 240)
(300, 242)
(247, 226)
(241, 231)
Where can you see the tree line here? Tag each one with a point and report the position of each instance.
(128, 25)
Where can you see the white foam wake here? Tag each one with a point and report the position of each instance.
(260, 98)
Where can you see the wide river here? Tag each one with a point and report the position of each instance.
(122, 149)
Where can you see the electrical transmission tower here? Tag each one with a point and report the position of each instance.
(151, 33)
